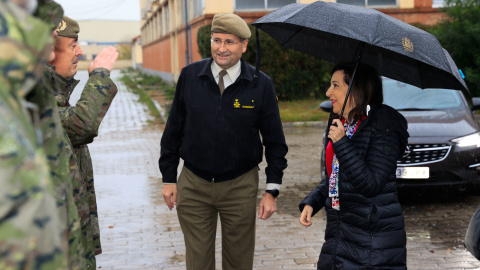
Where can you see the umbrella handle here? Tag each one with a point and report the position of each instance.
(358, 56)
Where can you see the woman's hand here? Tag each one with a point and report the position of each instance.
(306, 216)
(336, 132)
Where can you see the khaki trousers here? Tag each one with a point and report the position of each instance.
(199, 203)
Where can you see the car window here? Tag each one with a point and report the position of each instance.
(402, 96)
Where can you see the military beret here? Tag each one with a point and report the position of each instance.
(229, 23)
(68, 28)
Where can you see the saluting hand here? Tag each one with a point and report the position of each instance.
(336, 132)
(106, 58)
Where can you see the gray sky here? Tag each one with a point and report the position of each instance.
(120, 10)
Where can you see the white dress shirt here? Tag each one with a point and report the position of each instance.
(232, 73)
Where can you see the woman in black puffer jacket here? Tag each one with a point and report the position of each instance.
(365, 226)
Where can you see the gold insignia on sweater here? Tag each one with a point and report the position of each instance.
(236, 104)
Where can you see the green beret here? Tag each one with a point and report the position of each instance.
(68, 28)
(229, 23)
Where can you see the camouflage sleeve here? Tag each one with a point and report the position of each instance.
(29, 223)
(30, 235)
(81, 122)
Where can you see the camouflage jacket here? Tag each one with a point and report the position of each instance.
(60, 153)
(30, 228)
(81, 122)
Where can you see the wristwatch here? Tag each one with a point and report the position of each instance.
(274, 192)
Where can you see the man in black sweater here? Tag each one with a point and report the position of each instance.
(219, 111)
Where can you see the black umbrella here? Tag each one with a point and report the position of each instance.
(345, 33)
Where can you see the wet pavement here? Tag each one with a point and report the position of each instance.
(139, 232)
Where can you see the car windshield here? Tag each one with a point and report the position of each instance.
(403, 97)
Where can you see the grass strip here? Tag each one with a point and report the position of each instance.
(136, 82)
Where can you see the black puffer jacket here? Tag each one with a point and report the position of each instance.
(368, 232)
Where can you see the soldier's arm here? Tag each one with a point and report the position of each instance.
(29, 224)
(81, 122)
(30, 228)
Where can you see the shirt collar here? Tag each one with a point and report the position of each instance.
(233, 72)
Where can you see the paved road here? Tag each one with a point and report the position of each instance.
(139, 232)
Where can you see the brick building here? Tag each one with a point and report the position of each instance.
(169, 40)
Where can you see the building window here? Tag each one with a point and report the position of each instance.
(183, 12)
(146, 34)
(160, 23)
(167, 19)
(261, 4)
(438, 3)
(278, 3)
(369, 3)
(198, 6)
(151, 25)
(155, 28)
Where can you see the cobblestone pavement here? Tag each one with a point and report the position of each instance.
(139, 232)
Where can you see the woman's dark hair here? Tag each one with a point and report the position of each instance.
(366, 88)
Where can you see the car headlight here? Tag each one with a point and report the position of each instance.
(470, 140)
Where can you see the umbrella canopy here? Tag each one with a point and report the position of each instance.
(334, 32)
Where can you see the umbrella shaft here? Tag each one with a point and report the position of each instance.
(358, 56)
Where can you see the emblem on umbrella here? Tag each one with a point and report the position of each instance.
(407, 44)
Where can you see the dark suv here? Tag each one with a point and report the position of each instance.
(444, 143)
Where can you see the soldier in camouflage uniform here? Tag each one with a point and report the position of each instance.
(78, 184)
(30, 228)
(81, 122)
(59, 153)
